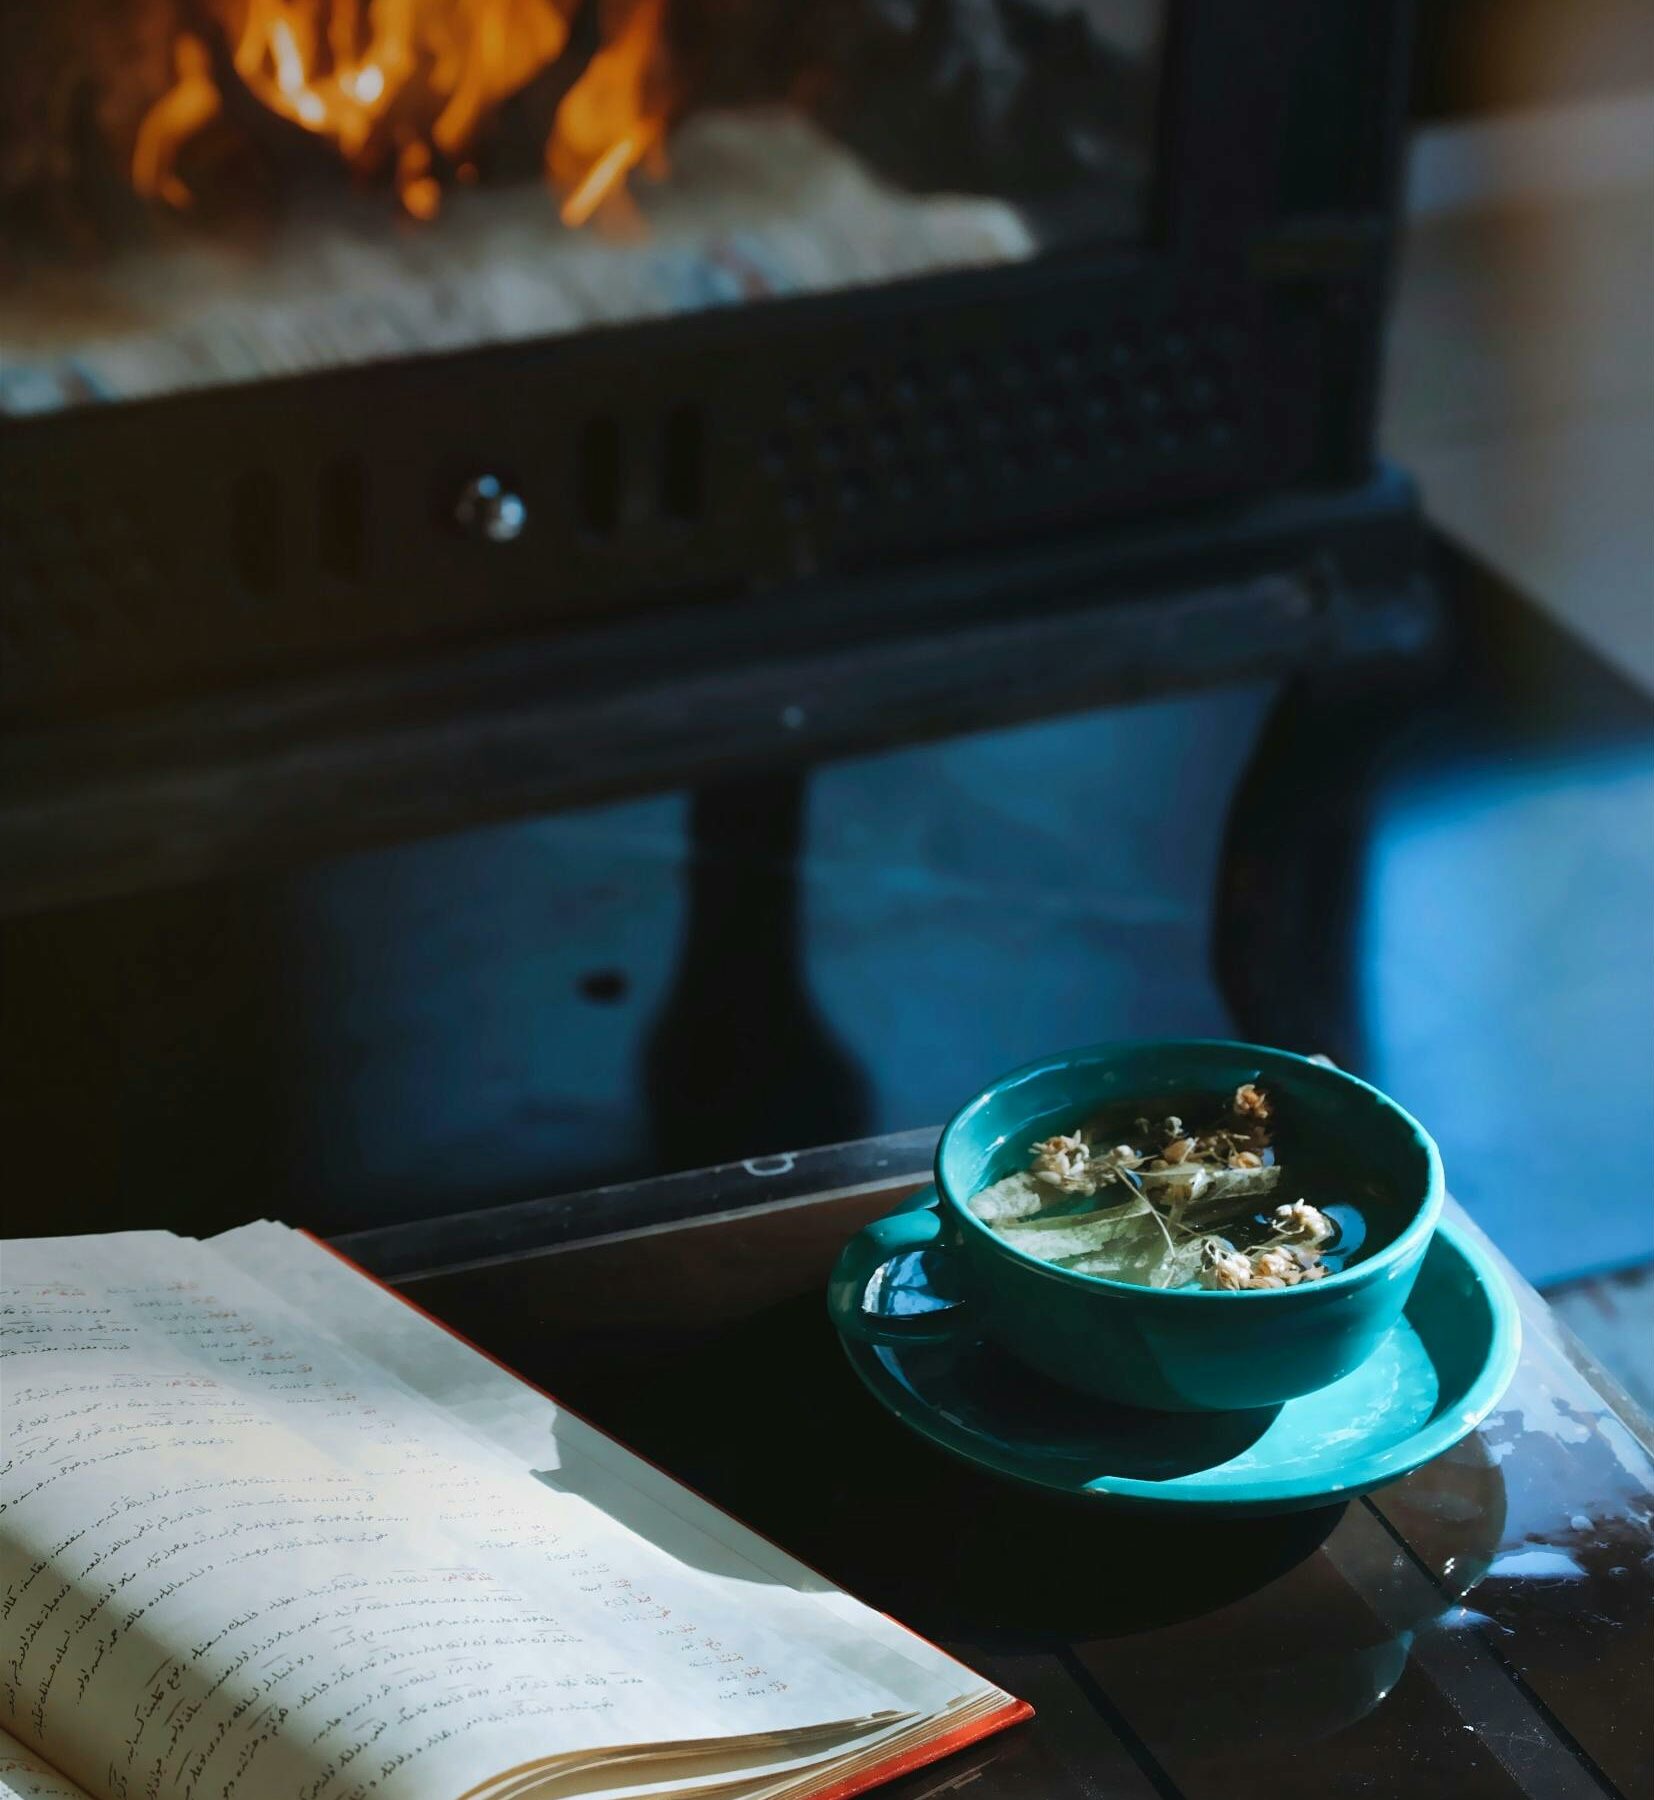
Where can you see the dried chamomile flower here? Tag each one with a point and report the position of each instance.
(1275, 1268)
(1178, 1150)
(1065, 1162)
(1224, 1267)
(1285, 1266)
(1301, 1220)
(1252, 1103)
(1278, 1266)
(1244, 1159)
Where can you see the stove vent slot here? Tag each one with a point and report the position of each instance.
(682, 465)
(256, 533)
(342, 519)
(598, 476)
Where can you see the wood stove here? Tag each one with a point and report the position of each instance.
(871, 368)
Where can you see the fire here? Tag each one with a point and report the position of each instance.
(189, 104)
(607, 125)
(410, 84)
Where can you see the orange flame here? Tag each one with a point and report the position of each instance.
(418, 79)
(189, 104)
(609, 121)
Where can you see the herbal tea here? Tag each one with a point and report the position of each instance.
(1210, 1197)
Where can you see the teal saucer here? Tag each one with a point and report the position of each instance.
(1432, 1380)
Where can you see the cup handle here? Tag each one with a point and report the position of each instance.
(918, 1226)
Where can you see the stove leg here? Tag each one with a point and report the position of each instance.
(740, 1061)
(1288, 912)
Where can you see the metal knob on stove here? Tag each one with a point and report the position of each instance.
(489, 511)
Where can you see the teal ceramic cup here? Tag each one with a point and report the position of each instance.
(1183, 1350)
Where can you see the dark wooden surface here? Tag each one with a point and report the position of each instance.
(1483, 1627)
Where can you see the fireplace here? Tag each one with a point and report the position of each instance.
(291, 185)
(357, 350)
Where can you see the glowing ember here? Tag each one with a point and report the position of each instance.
(410, 84)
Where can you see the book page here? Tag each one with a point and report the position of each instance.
(23, 1776)
(236, 1559)
(537, 1434)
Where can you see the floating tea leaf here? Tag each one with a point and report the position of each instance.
(1086, 1234)
(1181, 1267)
(1196, 1192)
(1013, 1198)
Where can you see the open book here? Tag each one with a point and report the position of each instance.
(267, 1532)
